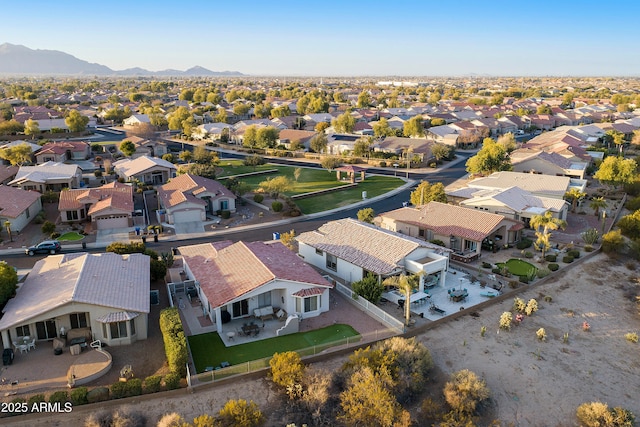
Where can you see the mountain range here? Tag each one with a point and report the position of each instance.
(20, 60)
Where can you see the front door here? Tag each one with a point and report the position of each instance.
(46, 330)
(240, 308)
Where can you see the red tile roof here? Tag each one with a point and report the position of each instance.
(227, 271)
(114, 195)
(14, 201)
(186, 188)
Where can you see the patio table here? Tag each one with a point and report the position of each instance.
(251, 329)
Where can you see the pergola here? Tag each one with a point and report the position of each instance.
(351, 170)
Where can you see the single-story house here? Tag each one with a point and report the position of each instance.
(148, 170)
(61, 151)
(535, 161)
(460, 229)
(287, 136)
(235, 279)
(188, 198)
(136, 120)
(105, 294)
(350, 249)
(18, 206)
(147, 147)
(109, 206)
(537, 184)
(48, 176)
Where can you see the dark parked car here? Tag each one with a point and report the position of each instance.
(46, 247)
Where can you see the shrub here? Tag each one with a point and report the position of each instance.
(496, 270)
(241, 413)
(612, 242)
(590, 236)
(505, 320)
(98, 394)
(486, 264)
(524, 243)
(59, 397)
(276, 206)
(79, 396)
(588, 248)
(175, 342)
(575, 253)
(368, 288)
(437, 242)
(523, 279)
(172, 381)
(35, 399)
(519, 304)
(383, 164)
(567, 259)
(54, 235)
(550, 257)
(465, 391)
(542, 272)
(597, 414)
(152, 384)
(286, 369)
(258, 198)
(118, 390)
(541, 334)
(48, 227)
(225, 214)
(532, 307)
(631, 337)
(553, 267)
(528, 254)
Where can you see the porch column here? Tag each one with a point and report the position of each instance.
(218, 320)
(6, 340)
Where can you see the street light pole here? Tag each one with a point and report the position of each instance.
(604, 220)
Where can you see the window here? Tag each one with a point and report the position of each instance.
(23, 331)
(27, 213)
(319, 252)
(118, 329)
(132, 326)
(332, 262)
(264, 300)
(306, 305)
(78, 320)
(72, 215)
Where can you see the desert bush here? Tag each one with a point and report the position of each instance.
(172, 420)
(631, 337)
(486, 264)
(598, 414)
(172, 381)
(590, 236)
(225, 214)
(506, 319)
(465, 391)
(524, 243)
(59, 397)
(541, 334)
(528, 254)
(430, 410)
(48, 227)
(523, 279)
(543, 272)
(98, 394)
(588, 248)
(118, 390)
(286, 369)
(532, 307)
(79, 396)
(383, 164)
(575, 253)
(519, 304)
(496, 270)
(99, 419)
(240, 413)
(553, 267)
(567, 259)
(548, 298)
(276, 206)
(612, 242)
(258, 198)
(550, 257)
(35, 399)
(152, 384)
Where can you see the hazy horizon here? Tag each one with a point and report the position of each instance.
(356, 39)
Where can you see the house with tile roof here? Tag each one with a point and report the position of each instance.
(537, 184)
(516, 203)
(49, 176)
(108, 206)
(106, 295)
(18, 206)
(148, 170)
(61, 151)
(350, 249)
(527, 160)
(461, 229)
(287, 136)
(235, 279)
(188, 198)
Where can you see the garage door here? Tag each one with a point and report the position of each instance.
(187, 216)
(113, 221)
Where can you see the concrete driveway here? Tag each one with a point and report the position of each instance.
(189, 227)
(111, 235)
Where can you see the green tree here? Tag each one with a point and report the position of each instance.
(368, 288)
(17, 155)
(547, 223)
(185, 156)
(413, 128)
(288, 238)
(364, 99)
(331, 162)
(250, 137)
(321, 127)
(613, 242)
(241, 109)
(614, 137)
(318, 143)
(266, 137)
(366, 215)
(441, 151)
(492, 157)
(281, 111)
(203, 155)
(406, 287)
(508, 141)
(344, 123)
(598, 203)
(381, 129)
(178, 119)
(616, 171)
(31, 127)
(543, 109)
(635, 139)
(127, 148)
(262, 110)
(276, 186)
(573, 196)
(8, 282)
(362, 146)
(425, 193)
(186, 95)
(465, 391)
(437, 121)
(253, 161)
(76, 122)
(240, 413)
(221, 117)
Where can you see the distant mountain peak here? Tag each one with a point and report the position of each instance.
(21, 60)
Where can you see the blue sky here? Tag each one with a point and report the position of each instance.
(336, 38)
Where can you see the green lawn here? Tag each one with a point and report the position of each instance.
(208, 349)
(71, 236)
(373, 185)
(518, 267)
(235, 167)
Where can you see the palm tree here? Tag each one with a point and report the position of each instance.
(574, 196)
(405, 285)
(597, 204)
(547, 222)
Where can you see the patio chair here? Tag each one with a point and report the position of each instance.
(24, 348)
(32, 344)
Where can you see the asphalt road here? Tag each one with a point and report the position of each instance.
(446, 176)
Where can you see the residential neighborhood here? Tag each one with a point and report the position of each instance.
(161, 234)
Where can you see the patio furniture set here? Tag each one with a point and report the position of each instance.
(458, 295)
(24, 344)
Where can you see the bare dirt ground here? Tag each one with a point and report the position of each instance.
(532, 382)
